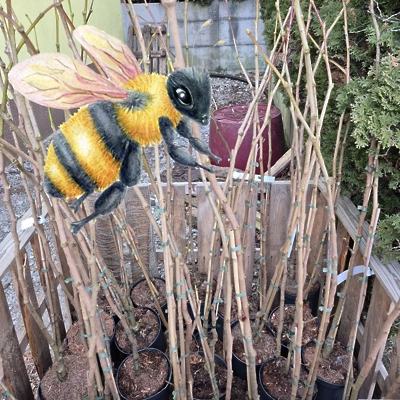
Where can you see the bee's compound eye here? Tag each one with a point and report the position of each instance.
(183, 96)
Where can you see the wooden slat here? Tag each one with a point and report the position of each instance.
(204, 228)
(377, 314)
(7, 253)
(320, 222)
(351, 304)
(13, 366)
(277, 227)
(178, 217)
(389, 274)
(38, 344)
(246, 217)
(137, 218)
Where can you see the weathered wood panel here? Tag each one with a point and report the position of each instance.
(321, 219)
(351, 303)
(389, 274)
(137, 218)
(205, 225)
(7, 252)
(13, 366)
(38, 344)
(246, 217)
(178, 217)
(377, 315)
(277, 228)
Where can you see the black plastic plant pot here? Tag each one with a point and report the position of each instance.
(191, 313)
(312, 300)
(163, 393)
(326, 390)
(238, 366)
(163, 306)
(220, 361)
(264, 395)
(284, 348)
(39, 393)
(118, 355)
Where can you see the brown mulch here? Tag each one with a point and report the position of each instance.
(310, 326)
(152, 378)
(141, 294)
(148, 331)
(278, 383)
(334, 369)
(265, 347)
(202, 388)
(74, 387)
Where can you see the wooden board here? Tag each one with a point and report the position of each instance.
(12, 363)
(178, 217)
(7, 248)
(351, 304)
(204, 228)
(389, 274)
(277, 227)
(137, 218)
(248, 200)
(377, 314)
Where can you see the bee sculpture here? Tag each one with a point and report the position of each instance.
(99, 147)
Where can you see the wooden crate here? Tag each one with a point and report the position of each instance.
(386, 289)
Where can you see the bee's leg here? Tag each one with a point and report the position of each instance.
(184, 129)
(129, 173)
(75, 205)
(106, 203)
(177, 154)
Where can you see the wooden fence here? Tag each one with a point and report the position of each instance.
(386, 288)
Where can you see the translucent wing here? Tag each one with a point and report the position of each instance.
(56, 80)
(113, 56)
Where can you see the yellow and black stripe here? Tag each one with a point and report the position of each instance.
(87, 152)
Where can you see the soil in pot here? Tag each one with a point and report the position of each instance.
(155, 373)
(334, 369)
(265, 349)
(73, 341)
(310, 327)
(74, 387)
(277, 383)
(253, 308)
(218, 348)
(141, 294)
(148, 331)
(108, 324)
(202, 388)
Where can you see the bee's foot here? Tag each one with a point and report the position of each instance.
(76, 226)
(215, 158)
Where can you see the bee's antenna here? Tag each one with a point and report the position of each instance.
(209, 22)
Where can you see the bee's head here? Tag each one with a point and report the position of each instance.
(190, 92)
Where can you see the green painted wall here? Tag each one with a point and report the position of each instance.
(106, 15)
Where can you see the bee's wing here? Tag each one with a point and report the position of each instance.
(113, 56)
(56, 80)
